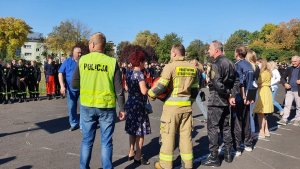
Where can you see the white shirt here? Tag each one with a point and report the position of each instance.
(275, 78)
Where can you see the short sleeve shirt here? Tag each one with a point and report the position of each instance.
(67, 69)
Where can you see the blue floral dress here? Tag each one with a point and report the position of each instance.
(137, 120)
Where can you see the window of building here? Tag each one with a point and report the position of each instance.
(27, 46)
(37, 49)
(27, 54)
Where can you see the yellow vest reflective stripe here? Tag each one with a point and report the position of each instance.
(186, 157)
(178, 101)
(165, 157)
(96, 80)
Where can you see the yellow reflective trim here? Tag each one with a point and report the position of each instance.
(186, 71)
(186, 157)
(195, 85)
(151, 93)
(176, 84)
(164, 82)
(165, 157)
(178, 103)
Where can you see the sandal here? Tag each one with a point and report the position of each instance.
(141, 162)
(131, 157)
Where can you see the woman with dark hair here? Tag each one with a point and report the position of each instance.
(137, 122)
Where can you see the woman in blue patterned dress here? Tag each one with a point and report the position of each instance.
(137, 120)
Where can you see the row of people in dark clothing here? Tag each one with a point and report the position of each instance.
(17, 78)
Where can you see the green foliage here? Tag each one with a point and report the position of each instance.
(13, 34)
(239, 37)
(146, 38)
(109, 49)
(197, 50)
(164, 47)
(66, 35)
(121, 46)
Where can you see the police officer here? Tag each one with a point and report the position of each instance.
(221, 80)
(99, 79)
(7, 77)
(34, 78)
(21, 81)
(177, 110)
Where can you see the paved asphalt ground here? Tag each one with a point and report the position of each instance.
(35, 135)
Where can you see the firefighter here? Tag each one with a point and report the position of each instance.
(14, 79)
(177, 110)
(2, 84)
(34, 78)
(21, 81)
(7, 78)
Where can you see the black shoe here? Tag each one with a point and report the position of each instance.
(227, 155)
(212, 160)
(141, 162)
(73, 128)
(5, 102)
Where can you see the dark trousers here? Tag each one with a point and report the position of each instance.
(218, 118)
(33, 88)
(241, 127)
(21, 88)
(7, 90)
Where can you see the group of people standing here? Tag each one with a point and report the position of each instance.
(15, 78)
(236, 92)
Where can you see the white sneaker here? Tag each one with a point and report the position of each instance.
(238, 153)
(249, 149)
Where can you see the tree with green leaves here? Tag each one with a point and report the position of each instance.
(13, 34)
(239, 37)
(146, 38)
(66, 35)
(121, 46)
(164, 47)
(197, 50)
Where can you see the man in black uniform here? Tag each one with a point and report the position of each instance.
(14, 90)
(7, 78)
(221, 80)
(21, 77)
(2, 89)
(34, 78)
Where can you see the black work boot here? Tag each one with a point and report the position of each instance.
(227, 155)
(212, 160)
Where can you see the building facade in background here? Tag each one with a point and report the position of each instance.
(33, 48)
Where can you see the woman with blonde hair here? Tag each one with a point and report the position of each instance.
(264, 104)
(251, 57)
(274, 84)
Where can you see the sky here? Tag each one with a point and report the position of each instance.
(121, 20)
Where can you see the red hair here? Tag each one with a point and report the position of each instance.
(137, 57)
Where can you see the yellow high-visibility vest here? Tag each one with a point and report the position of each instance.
(96, 80)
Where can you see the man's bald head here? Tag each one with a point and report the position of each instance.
(97, 42)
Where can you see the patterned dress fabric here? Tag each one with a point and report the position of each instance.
(137, 120)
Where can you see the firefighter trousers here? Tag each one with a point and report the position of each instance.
(171, 124)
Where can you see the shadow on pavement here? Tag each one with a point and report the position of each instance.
(55, 125)
(17, 132)
(5, 160)
(25, 167)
